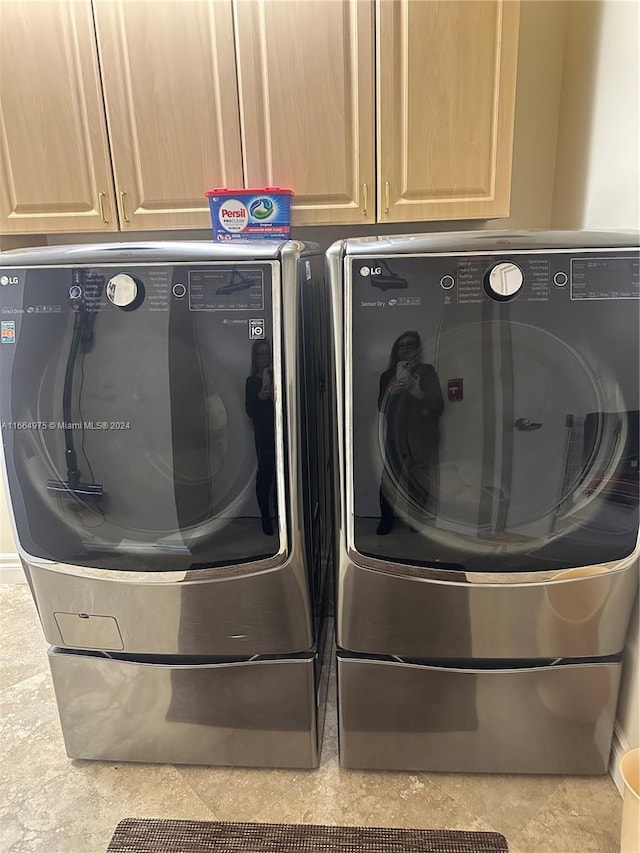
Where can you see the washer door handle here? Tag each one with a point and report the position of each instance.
(525, 425)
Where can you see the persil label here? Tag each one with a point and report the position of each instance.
(233, 215)
(253, 215)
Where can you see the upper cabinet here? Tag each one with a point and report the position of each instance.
(55, 171)
(446, 75)
(306, 81)
(369, 110)
(171, 97)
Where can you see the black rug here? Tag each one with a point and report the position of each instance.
(196, 836)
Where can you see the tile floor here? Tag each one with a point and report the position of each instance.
(51, 804)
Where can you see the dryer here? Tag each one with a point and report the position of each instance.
(158, 409)
(488, 497)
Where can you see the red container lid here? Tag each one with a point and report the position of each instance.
(227, 191)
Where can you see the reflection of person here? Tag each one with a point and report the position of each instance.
(412, 403)
(259, 406)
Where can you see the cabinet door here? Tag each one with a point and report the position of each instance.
(307, 104)
(171, 95)
(446, 75)
(55, 173)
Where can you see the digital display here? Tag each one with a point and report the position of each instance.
(605, 278)
(223, 289)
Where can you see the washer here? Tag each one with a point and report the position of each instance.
(488, 549)
(160, 494)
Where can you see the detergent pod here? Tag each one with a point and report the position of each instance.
(252, 214)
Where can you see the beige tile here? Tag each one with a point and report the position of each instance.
(23, 648)
(13, 593)
(330, 796)
(31, 744)
(236, 793)
(584, 814)
(78, 811)
(507, 802)
(395, 799)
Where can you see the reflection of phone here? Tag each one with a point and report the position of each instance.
(267, 379)
(402, 373)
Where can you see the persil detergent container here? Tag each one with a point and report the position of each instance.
(250, 214)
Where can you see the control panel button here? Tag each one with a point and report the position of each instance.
(505, 280)
(122, 290)
(447, 282)
(179, 290)
(75, 291)
(560, 278)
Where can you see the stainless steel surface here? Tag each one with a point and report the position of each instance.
(205, 612)
(289, 332)
(385, 608)
(485, 241)
(88, 631)
(395, 614)
(335, 261)
(172, 709)
(252, 608)
(554, 719)
(122, 290)
(402, 716)
(100, 254)
(280, 304)
(253, 713)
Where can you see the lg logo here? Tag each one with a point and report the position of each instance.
(8, 279)
(365, 271)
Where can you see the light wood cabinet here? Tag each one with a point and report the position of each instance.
(306, 82)
(370, 110)
(446, 75)
(170, 90)
(55, 172)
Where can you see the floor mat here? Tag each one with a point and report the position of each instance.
(194, 836)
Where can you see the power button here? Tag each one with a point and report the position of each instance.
(179, 290)
(560, 278)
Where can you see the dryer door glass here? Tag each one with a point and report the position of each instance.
(494, 428)
(140, 423)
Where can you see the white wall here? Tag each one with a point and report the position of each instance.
(7, 545)
(612, 199)
(597, 186)
(10, 568)
(598, 157)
